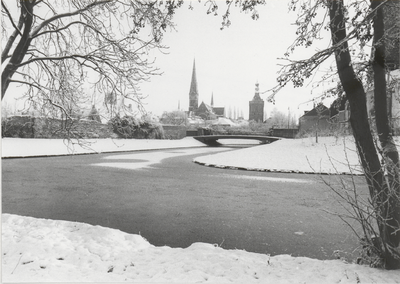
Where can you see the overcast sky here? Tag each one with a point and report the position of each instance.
(228, 62)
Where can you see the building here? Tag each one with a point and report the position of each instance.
(208, 112)
(393, 100)
(219, 111)
(205, 111)
(193, 92)
(256, 107)
(315, 120)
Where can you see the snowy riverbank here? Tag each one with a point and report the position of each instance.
(330, 156)
(15, 147)
(39, 250)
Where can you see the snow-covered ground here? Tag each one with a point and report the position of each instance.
(12, 147)
(330, 155)
(40, 250)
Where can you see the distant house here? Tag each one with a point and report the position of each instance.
(316, 119)
(205, 111)
(340, 115)
(208, 112)
(219, 111)
(393, 100)
(340, 112)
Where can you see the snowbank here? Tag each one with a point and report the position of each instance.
(16, 147)
(39, 250)
(330, 155)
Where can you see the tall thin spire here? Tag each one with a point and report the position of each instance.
(212, 99)
(193, 93)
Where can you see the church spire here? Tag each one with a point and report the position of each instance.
(193, 93)
(212, 99)
(257, 93)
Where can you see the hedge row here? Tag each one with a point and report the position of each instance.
(42, 127)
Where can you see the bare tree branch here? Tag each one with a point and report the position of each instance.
(10, 18)
(65, 15)
(299, 70)
(16, 32)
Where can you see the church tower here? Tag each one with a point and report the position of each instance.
(193, 93)
(256, 107)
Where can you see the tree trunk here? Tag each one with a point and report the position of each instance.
(356, 97)
(21, 48)
(389, 197)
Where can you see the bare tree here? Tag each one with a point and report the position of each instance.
(176, 117)
(278, 119)
(353, 27)
(57, 49)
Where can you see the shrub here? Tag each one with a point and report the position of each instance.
(364, 217)
(45, 127)
(132, 127)
(17, 127)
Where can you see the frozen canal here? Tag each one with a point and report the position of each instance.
(165, 197)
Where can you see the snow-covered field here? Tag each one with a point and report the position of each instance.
(40, 250)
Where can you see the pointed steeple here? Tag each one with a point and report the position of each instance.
(257, 93)
(212, 99)
(193, 93)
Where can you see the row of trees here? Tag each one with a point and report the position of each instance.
(57, 48)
